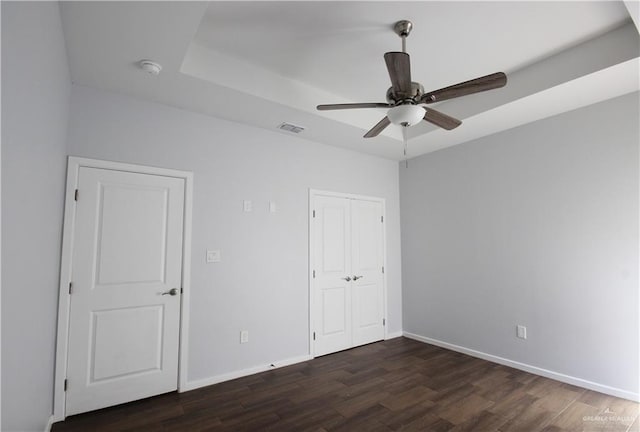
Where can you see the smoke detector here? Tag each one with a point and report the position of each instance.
(290, 127)
(150, 67)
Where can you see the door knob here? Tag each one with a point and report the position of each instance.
(172, 291)
(355, 278)
(347, 278)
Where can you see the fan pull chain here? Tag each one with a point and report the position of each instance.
(404, 140)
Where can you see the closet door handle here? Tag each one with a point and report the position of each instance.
(171, 292)
(355, 278)
(347, 278)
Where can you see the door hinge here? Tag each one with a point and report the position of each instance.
(314, 335)
(382, 219)
(66, 382)
(382, 269)
(314, 213)
(384, 322)
(70, 287)
(314, 274)
(75, 195)
(181, 290)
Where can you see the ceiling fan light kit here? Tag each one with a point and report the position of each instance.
(406, 115)
(405, 98)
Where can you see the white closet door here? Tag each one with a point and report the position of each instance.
(332, 294)
(348, 286)
(124, 333)
(367, 281)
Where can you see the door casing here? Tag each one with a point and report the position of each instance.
(62, 344)
(312, 194)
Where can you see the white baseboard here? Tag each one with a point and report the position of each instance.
(613, 391)
(50, 422)
(394, 335)
(192, 385)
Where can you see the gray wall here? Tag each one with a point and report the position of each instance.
(35, 106)
(261, 284)
(536, 226)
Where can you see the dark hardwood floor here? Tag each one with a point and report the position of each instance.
(396, 385)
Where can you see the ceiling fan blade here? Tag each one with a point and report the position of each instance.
(489, 82)
(440, 119)
(399, 67)
(351, 106)
(378, 128)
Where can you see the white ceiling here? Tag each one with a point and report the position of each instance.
(338, 47)
(262, 63)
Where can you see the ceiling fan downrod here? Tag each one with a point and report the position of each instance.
(403, 29)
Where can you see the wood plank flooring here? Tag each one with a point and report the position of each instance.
(396, 385)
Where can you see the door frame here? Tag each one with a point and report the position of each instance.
(313, 193)
(62, 345)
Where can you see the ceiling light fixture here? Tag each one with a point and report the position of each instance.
(150, 67)
(406, 115)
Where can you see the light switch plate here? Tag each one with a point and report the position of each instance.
(213, 256)
(521, 332)
(272, 207)
(244, 336)
(247, 206)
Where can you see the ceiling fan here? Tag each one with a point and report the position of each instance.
(406, 99)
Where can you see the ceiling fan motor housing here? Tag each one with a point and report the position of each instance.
(417, 90)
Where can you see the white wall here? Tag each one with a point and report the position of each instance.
(537, 226)
(261, 284)
(35, 104)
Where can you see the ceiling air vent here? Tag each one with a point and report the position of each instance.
(290, 127)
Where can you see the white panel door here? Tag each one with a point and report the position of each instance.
(332, 274)
(367, 289)
(124, 327)
(348, 251)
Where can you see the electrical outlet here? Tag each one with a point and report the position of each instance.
(521, 331)
(244, 336)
